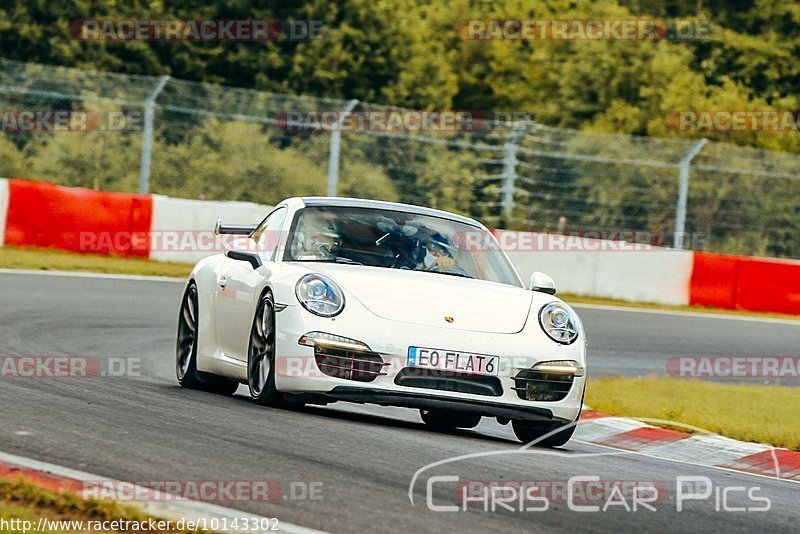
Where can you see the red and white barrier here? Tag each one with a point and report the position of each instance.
(602, 268)
(745, 283)
(40, 214)
(182, 230)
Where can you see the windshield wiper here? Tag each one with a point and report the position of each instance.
(462, 275)
(348, 261)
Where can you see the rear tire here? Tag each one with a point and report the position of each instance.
(186, 350)
(449, 420)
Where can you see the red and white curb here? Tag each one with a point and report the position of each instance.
(702, 448)
(59, 478)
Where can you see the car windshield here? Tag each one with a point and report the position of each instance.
(397, 240)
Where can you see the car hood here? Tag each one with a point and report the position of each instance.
(428, 298)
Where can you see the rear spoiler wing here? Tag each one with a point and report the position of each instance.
(233, 229)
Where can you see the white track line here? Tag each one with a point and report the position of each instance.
(172, 510)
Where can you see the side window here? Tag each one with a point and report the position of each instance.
(268, 233)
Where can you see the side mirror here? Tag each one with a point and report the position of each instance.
(543, 283)
(244, 249)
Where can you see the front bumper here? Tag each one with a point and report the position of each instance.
(298, 373)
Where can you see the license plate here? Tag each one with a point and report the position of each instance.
(453, 360)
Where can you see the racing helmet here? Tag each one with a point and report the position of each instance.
(318, 239)
(440, 245)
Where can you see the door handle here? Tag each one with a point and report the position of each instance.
(223, 281)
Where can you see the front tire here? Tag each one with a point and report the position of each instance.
(186, 350)
(261, 355)
(527, 431)
(448, 420)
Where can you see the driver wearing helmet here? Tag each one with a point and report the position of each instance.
(438, 254)
(318, 241)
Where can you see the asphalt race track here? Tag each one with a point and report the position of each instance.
(641, 342)
(146, 428)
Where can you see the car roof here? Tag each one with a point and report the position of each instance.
(381, 204)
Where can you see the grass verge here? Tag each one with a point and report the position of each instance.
(757, 413)
(23, 501)
(57, 260)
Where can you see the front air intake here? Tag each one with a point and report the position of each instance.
(534, 385)
(449, 381)
(338, 362)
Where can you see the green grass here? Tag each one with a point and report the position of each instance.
(57, 260)
(20, 499)
(757, 413)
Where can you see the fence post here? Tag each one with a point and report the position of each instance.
(147, 135)
(510, 167)
(336, 142)
(683, 192)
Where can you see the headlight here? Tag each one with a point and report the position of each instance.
(320, 295)
(559, 322)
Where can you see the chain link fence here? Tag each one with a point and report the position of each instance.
(195, 140)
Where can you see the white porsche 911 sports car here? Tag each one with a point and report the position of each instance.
(335, 299)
